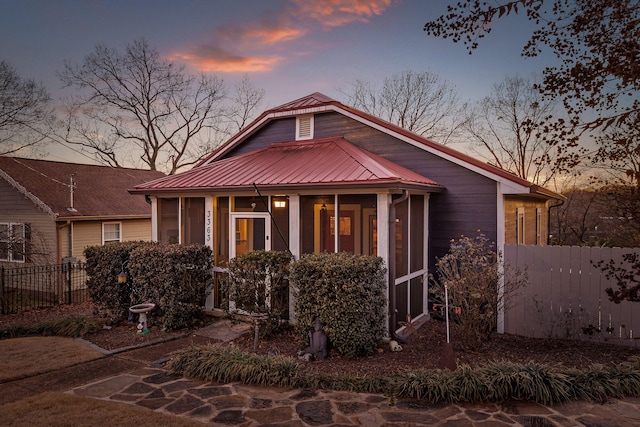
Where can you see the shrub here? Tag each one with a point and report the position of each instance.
(104, 263)
(175, 278)
(470, 273)
(255, 281)
(346, 292)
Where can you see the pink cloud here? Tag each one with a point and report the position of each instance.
(253, 46)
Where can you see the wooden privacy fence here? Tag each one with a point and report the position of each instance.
(566, 297)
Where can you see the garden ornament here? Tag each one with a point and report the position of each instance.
(394, 346)
(317, 342)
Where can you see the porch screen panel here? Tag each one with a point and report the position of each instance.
(402, 302)
(314, 214)
(402, 238)
(168, 227)
(221, 246)
(417, 294)
(357, 223)
(193, 220)
(250, 204)
(417, 234)
(280, 226)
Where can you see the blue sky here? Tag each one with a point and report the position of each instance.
(288, 47)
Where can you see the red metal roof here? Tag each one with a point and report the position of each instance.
(320, 162)
(318, 101)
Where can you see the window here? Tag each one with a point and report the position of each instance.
(14, 239)
(111, 232)
(520, 240)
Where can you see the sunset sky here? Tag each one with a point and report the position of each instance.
(290, 48)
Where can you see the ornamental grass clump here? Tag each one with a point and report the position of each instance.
(531, 382)
(225, 364)
(70, 327)
(497, 381)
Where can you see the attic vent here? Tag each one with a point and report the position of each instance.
(304, 127)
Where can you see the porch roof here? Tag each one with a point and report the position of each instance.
(321, 163)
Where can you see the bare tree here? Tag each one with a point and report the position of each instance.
(24, 108)
(419, 102)
(504, 126)
(245, 100)
(597, 44)
(136, 104)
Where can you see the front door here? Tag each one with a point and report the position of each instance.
(250, 232)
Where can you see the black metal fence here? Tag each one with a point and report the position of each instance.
(28, 288)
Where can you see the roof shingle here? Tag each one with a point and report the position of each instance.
(99, 191)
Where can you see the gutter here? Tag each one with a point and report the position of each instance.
(392, 266)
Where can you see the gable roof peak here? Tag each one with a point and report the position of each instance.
(313, 100)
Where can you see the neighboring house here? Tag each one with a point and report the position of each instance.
(50, 211)
(316, 175)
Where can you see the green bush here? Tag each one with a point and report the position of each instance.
(256, 282)
(175, 278)
(104, 263)
(347, 293)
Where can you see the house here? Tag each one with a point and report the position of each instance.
(316, 175)
(50, 211)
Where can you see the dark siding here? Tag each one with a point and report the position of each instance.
(275, 131)
(467, 205)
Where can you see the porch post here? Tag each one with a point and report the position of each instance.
(382, 228)
(500, 230)
(294, 244)
(154, 218)
(208, 241)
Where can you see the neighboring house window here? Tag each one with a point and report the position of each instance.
(304, 127)
(111, 232)
(14, 240)
(539, 226)
(520, 226)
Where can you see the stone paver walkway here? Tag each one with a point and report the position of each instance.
(238, 404)
(138, 377)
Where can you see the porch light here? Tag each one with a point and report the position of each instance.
(280, 203)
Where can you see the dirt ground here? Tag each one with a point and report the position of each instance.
(425, 349)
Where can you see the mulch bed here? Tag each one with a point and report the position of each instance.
(425, 349)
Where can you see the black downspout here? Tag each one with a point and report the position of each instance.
(392, 266)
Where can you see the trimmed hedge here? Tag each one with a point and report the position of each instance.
(175, 278)
(104, 263)
(347, 293)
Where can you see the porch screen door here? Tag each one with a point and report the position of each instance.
(250, 232)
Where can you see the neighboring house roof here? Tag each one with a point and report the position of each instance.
(98, 191)
(317, 102)
(323, 162)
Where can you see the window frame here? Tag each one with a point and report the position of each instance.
(106, 241)
(11, 241)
